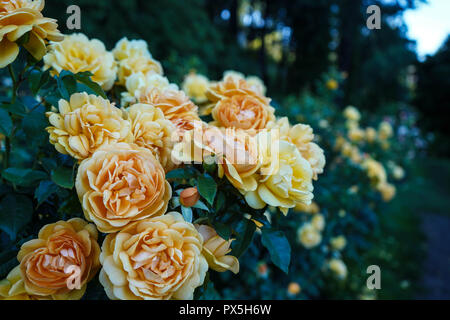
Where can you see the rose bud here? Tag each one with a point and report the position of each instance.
(189, 197)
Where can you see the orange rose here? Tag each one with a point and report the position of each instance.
(235, 103)
(58, 264)
(156, 258)
(121, 183)
(242, 112)
(175, 105)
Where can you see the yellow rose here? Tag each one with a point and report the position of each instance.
(57, 265)
(387, 191)
(133, 57)
(138, 82)
(121, 183)
(318, 221)
(338, 243)
(76, 53)
(332, 84)
(256, 84)
(294, 289)
(338, 267)
(309, 236)
(235, 151)
(156, 258)
(285, 178)
(18, 17)
(127, 48)
(151, 130)
(85, 123)
(301, 136)
(385, 130)
(371, 134)
(351, 113)
(215, 250)
(375, 171)
(356, 134)
(175, 105)
(195, 86)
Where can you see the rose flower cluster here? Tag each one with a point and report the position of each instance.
(123, 153)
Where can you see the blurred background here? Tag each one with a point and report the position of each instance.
(320, 53)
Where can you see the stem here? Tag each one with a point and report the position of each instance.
(14, 80)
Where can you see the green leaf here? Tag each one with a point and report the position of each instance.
(16, 212)
(223, 230)
(207, 188)
(278, 246)
(200, 205)
(45, 189)
(63, 177)
(220, 201)
(84, 78)
(187, 213)
(245, 229)
(17, 108)
(6, 124)
(23, 177)
(181, 174)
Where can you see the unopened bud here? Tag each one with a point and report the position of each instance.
(189, 197)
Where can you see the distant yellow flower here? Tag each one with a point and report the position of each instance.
(371, 134)
(76, 53)
(398, 173)
(85, 123)
(318, 221)
(351, 113)
(356, 134)
(309, 236)
(18, 17)
(216, 249)
(294, 288)
(385, 130)
(332, 84)
(312, 208)
(195, 86)
(338, 243)
(338, 267)
(387, 191)
(375, 171)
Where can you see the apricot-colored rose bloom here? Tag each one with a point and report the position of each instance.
(134, 57)
(156, 258)
(215, 250)
(151, 130)
(45, 262)
(85, 123)
(79, 54)
(236, 154)
(239, 105)
(17, 17)
(175, 105)
(121, 183)
(13, 288)
(195, 86)
(301, 135)
(285, 179)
